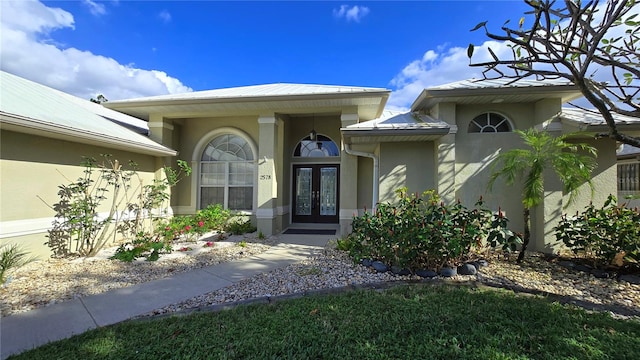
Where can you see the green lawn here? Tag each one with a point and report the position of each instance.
(406, 322)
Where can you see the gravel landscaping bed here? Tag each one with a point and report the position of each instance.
(51, 281)
(334, 269)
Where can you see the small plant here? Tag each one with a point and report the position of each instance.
(308, 271)
(242, 244)
(346, 244)
(261, 235)
(12, 256)
(208, 244)
(143, 246)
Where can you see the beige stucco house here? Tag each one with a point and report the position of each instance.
(289, 154)
(294, 153)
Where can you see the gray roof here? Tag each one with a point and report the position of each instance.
(400, 120)
(482, 91)
(26, 106)
(500, 83)
(259, 91)
(258, 99)
(628, 151)
(397, 126)
(594, 118)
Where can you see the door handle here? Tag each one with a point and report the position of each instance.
(316, 198)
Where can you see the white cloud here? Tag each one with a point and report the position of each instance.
(354, 13)
(95, 8)
(165, 16)
(26, 32)
(437, 67)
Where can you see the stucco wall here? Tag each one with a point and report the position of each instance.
(475, 152)
(32, 168)
(407, 164)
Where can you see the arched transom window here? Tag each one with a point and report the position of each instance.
(227, 173)
(322, 146)
(489, 123)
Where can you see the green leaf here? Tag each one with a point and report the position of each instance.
(482, 24)
(470, 49)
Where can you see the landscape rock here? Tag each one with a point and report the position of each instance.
(379, 266)
(366, 262)
(467, 269)
(583, 268)
(631, 279)
(426, 273)
(567, 264)
(601, 274)
(396, 270)
(448, 272)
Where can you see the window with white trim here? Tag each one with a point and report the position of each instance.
(227, 173)
(489, 123)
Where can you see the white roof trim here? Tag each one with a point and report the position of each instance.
(12, 122)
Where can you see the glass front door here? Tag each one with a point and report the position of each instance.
(315, 194)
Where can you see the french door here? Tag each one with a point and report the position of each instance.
(315, 193)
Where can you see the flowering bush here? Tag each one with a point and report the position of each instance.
(422, 232)
(190, 227)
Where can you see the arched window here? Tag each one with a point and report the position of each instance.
(227, 173)
(322, 146)
(489, 123)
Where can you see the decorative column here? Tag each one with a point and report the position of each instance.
(161, 131)
(446, 153)
(545, 216)
(266, 214)
(348, 178)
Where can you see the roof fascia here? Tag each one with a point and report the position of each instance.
(440, 95)
(351, 133)
(384, 95)
(31, 126)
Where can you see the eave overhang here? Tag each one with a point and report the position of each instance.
(370, 105)
(26, 125)
(487, 95)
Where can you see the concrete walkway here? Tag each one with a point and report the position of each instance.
(31, 329)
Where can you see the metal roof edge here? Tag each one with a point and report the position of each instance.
(123, 104)
(437, 94)
(35, 127)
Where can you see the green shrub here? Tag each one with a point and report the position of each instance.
(422, 232)
(602, 234)
(239, 227)
(213, 217)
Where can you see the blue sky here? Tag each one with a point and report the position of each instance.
(126, 49)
